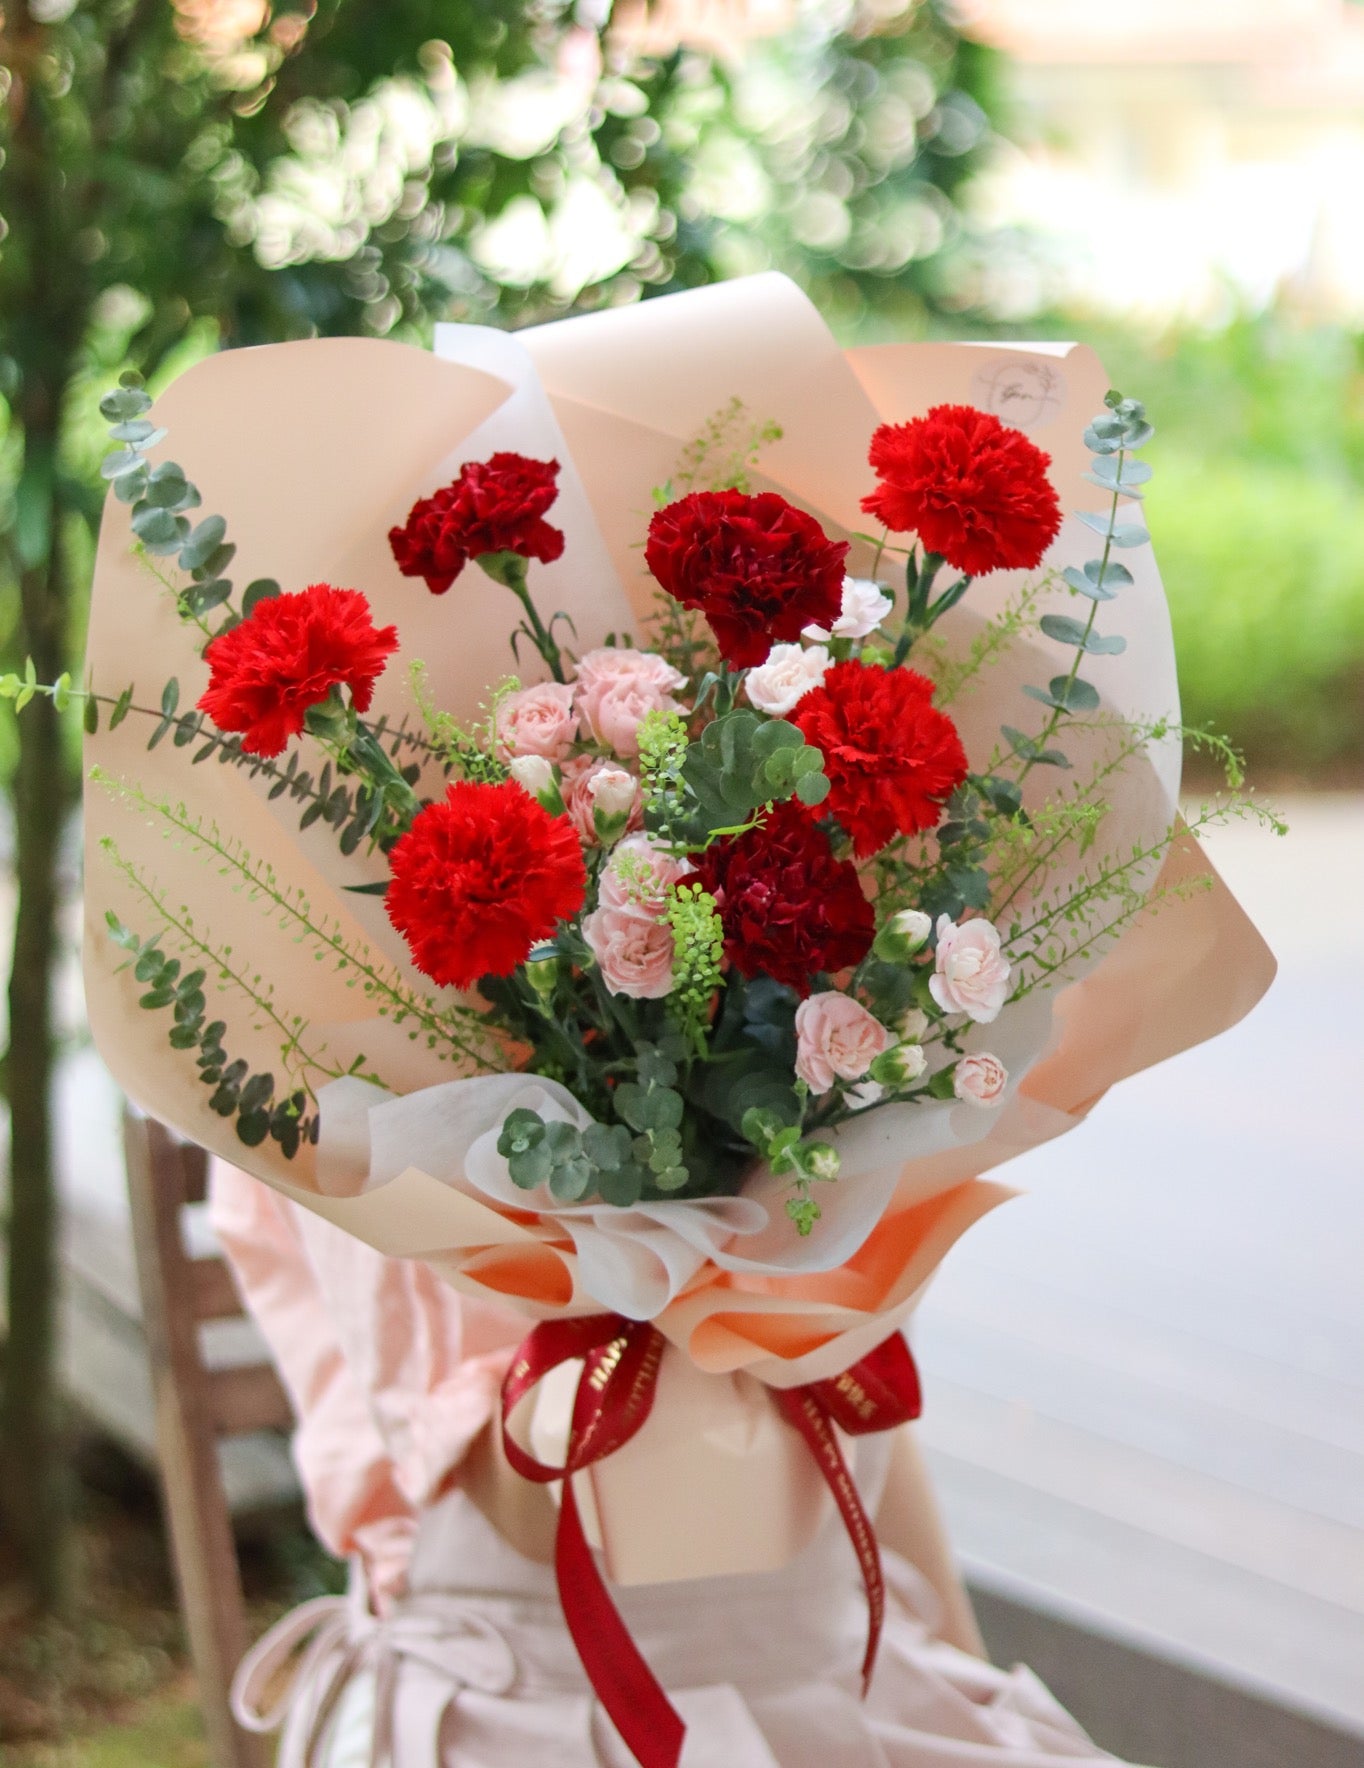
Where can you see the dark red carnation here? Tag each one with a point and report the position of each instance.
(790, 909)
(288, 655)
(480, 878)
(972, 489)
(758, 568)
(495, 505)
(890, 756)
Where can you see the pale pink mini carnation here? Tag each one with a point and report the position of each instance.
(980, 1079)
(836, 1039)
(578, 774)
(639, 877)
(615, 687)
(971, 973)
(635, 953)
(538, 721)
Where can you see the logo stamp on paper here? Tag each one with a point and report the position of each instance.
(1024, 391)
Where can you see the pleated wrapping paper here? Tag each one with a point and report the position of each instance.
(312, 451)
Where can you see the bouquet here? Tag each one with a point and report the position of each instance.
(676, 807)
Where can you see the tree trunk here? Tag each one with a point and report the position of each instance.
(32, 1483)
(46, 326)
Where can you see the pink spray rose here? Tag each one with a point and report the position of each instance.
(635, 954)
(538, 721)
(980, 1080)
(616, 687)
(631, 942)
(836, 1038)
(971, 975)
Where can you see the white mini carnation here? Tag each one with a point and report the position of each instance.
(534, 772)
(787, 676)
(865, 606)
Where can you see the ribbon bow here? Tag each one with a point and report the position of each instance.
(614, 1398)
(317, 1647)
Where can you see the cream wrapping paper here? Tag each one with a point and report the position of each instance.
(312, 451)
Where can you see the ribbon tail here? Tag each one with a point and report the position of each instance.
(627, 1688)
(803, 1410)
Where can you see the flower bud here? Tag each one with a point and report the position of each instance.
(905, 933)
(910, 1027)
(820, 1160)
(536, 774)
(542, 971)
(899, 1067)
(611, 792)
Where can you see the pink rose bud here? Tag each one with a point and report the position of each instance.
(980, 1080)
(836, 1039)
(971, 974)
(787, 676)
(538, 721)
(578, 773)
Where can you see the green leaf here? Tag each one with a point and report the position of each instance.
(523, 1129)
(121, 461)
(812, 788)
(131, 486)
(1130, 534)
(571, 1180)
(159, 530)
(1030, 750)
(623, 1187)
(1066, 695)
(261, 589)
(121, 706)
(630, 1101)
(170, 698)
(531, 1167)
(202, 543)
(203, 598)
(139, 432)
(122, 403)
(168, 488)
(253, 1127)
(1106, 647)
(607, 1146)
(655, 1068)
(1064, 628)
(90, 716)
(1084, 585)
(257, 1091)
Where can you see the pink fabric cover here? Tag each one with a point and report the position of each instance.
(391, 1373)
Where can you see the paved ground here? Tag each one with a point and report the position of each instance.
(1145, 1388)
(1145, 1379)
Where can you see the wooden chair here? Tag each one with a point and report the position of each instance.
(195, 1406)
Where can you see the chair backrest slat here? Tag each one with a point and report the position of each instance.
(194, 1406)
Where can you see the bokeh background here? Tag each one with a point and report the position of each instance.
(1178, 185)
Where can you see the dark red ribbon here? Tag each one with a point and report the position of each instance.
(614, 1398)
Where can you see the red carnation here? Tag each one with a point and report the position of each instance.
(480, 878)
(973, 489)
(890, 756)
(494, 506)
(790, 909)
(288, 655)
(758, 568)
